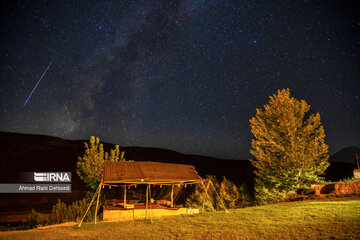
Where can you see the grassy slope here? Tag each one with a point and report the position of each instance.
(297, 220)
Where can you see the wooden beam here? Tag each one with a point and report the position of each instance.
(125, 196)
(172, 195)
(147, 196)
(150, 202)
(219, 196)
(87, 210)
(97, 203)
(205, 195)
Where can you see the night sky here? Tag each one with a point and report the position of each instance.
(182, 75)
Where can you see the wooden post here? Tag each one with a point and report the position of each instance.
(97, 202)
(125, 196)
(147, 196)
(205, 195)
(87, 210)
(150, 202)
(133, 214)
(218, 196)
(172, 195)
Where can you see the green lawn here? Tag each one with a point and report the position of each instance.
(297, 220)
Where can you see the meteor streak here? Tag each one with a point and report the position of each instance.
(40, 79)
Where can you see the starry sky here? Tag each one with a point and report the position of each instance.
(181, 75)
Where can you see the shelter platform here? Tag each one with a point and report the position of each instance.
(116, 213)
(128, 175)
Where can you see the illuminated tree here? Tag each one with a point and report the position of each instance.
(288, 146)
(89, 165)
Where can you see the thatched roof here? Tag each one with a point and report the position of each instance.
(148, 172)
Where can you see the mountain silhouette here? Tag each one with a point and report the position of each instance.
(346, 155)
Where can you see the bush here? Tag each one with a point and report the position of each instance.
(265, 196)
(62, 213)
(245, 197)
(230, 194)
(233, 196)
(36, 218)
(196, 200)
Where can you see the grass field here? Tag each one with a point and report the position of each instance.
(296, 220)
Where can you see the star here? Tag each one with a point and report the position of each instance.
(182, 75)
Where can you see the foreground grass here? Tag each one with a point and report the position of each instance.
(297, 220)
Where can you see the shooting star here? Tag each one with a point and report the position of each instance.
(40, 79)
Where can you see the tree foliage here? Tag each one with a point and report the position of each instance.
(89, 165)
(288, 145)
(230, 194)
(245, 198)
(198, 200)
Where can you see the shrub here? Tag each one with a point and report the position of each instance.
(36, 218)
(265, 196)
(196, 200)
(231, 196)
(62, 213)
(245, 198)
(229, 193)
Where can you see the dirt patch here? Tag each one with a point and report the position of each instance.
(67, 224)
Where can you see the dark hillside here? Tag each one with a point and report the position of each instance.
(346, 155)
(342, 164)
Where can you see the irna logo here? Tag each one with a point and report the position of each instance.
(52, 177)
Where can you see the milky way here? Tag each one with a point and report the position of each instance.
(182, 75)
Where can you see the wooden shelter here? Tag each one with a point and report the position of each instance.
(149, 173)
(131, 174)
